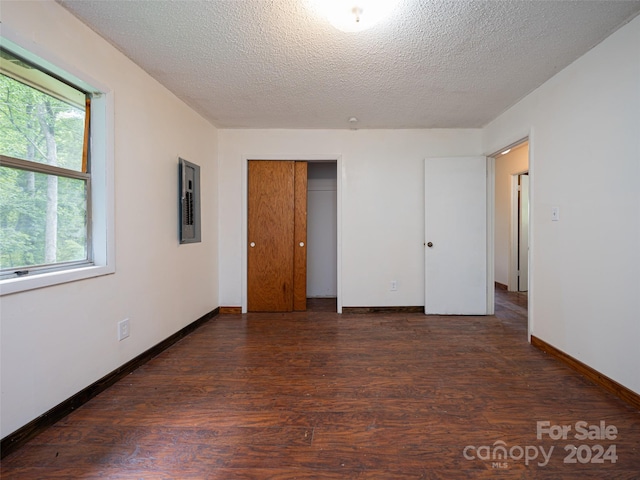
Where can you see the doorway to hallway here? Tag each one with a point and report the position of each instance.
(512, 221)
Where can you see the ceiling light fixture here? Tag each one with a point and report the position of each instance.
(506, 151)
(355, 15)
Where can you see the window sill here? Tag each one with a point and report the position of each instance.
(41, 280)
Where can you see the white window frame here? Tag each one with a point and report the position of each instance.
(101, 236)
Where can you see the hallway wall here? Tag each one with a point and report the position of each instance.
(584, 159)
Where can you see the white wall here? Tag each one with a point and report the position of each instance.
(382, 203)
(57, 340)
(322, 223)
(514, 162)
(585, 159)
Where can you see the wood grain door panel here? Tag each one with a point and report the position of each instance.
(271, 232)
(300, 234)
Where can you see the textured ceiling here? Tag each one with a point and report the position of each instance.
(279, 64)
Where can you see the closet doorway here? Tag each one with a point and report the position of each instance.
(322, 231)
(277, 234)
(292, 234)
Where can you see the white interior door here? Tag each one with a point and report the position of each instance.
(523, 235)
(456, 236)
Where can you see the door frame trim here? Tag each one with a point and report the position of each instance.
(491, 220)
(245, 204)
(514, 239)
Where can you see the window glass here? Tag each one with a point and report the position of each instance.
(44, 178)
(39, 127)
(42, 219)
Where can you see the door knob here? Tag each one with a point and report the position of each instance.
(302, 244)
(430, 244)
(252, 244)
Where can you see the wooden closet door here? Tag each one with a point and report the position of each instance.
(300, 238)
(277, 231)
(270, 230)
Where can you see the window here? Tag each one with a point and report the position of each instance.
(44, 170)
(53, 151)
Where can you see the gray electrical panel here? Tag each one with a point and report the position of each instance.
(189, 174)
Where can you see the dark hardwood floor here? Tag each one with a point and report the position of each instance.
(319, 395)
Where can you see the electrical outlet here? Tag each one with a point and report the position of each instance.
(394, 285)
(123, 329)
